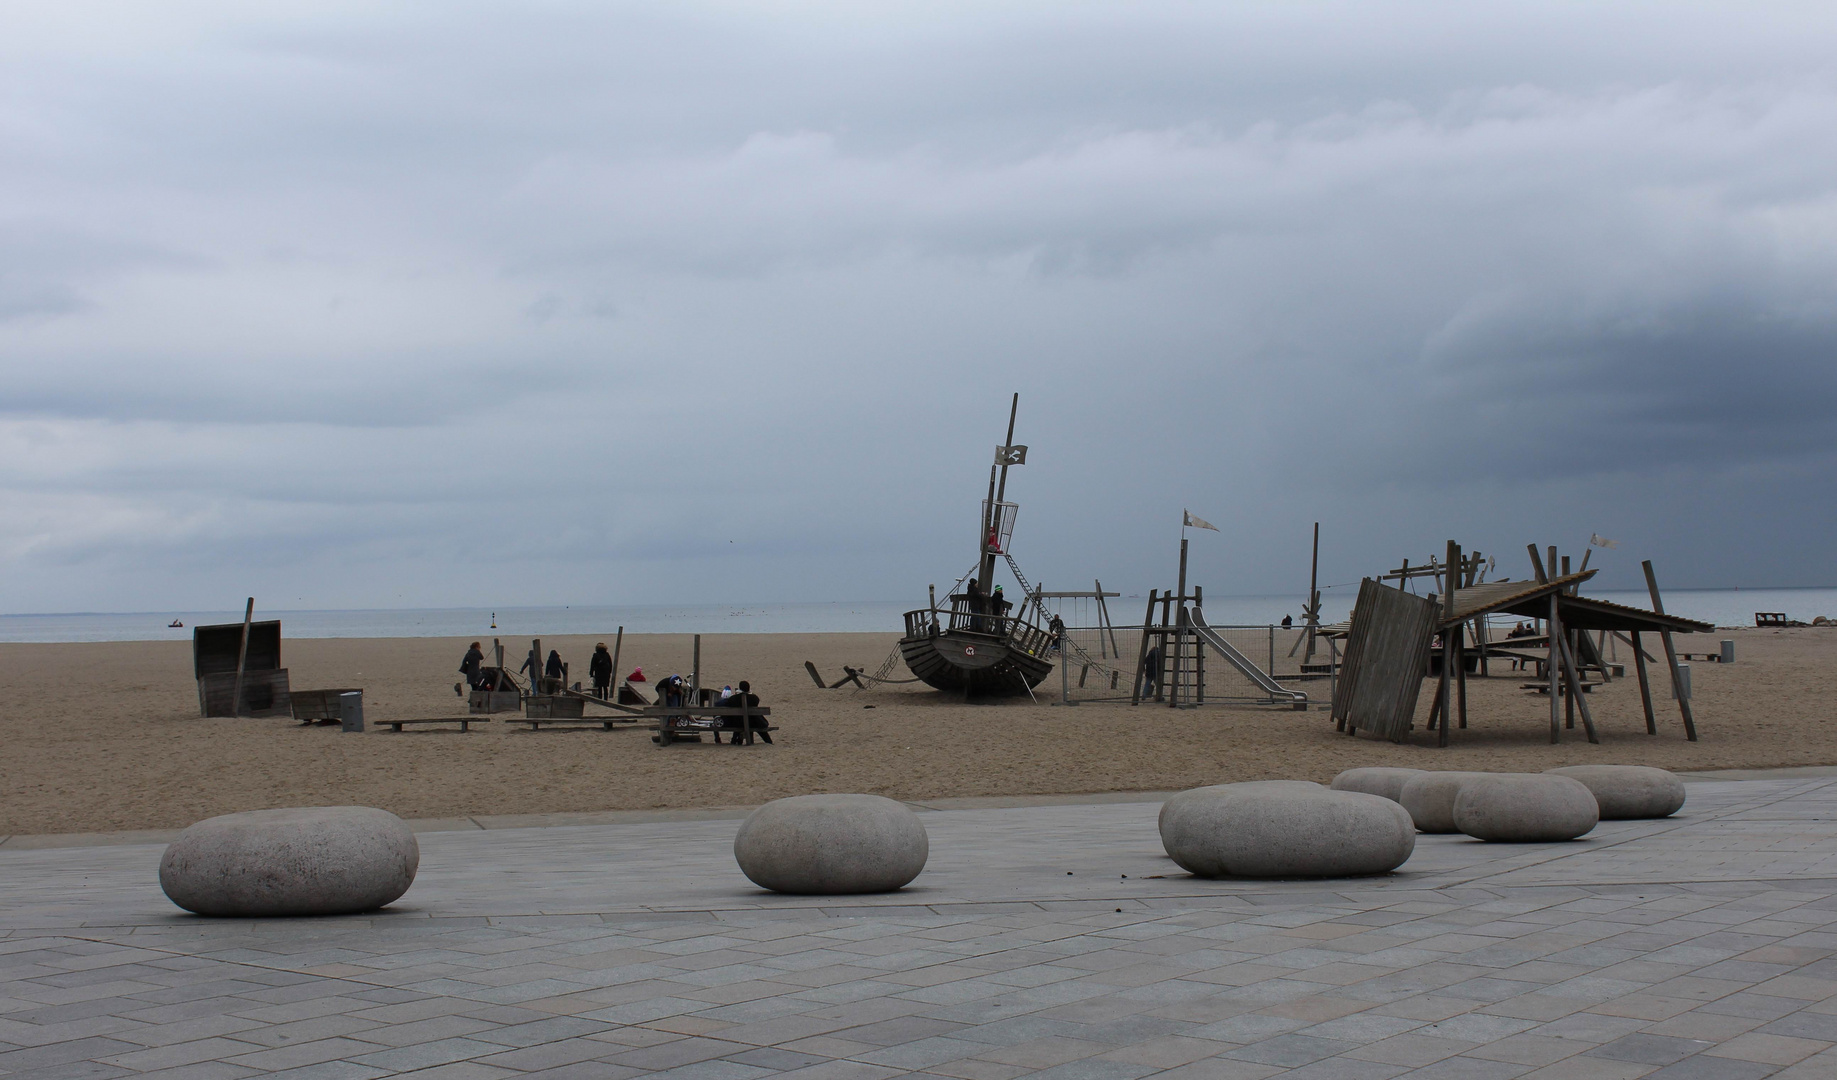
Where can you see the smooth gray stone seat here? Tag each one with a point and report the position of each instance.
(815, 844)
(1380, 780)
(1172, 807)
(1629, 791)
(1429, 797)
(1525, 808)
(316, 860)
(1285, 829)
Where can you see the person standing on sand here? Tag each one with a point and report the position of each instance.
(1151, 672)
(469, 667)
(600, 667)
(532, 664)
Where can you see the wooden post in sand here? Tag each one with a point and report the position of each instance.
(1451, 652)
(242, 657)
(695, 675)
(1671, 655)
(618, 643)
(1645, 686)
(1141, 652)
(535, 666)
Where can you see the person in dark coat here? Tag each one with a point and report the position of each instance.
(600, 667)
(745, 691)
(468, 667)
(554, 669)
(532, 664)
(1151, 672)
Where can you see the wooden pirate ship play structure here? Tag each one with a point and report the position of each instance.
(974, 646)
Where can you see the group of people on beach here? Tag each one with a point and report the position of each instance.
(671, 691)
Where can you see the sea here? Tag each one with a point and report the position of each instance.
(1723, 607)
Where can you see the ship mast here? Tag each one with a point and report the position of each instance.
(992, 517)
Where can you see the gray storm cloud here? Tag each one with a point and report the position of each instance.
(735, 295)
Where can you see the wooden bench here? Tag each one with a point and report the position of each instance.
(605, 723)
(464, 722)
(680, 721)
(1544, 687)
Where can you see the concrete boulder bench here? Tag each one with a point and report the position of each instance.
(1625, 792)
(1429, 798)
(1525, 808)
(832, 844)
(1381, 780)
(1284, 829)
(320, 860)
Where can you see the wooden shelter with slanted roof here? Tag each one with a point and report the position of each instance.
(1392, 635)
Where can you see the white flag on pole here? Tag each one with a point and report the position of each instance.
(1194, 521)
(1601, 541)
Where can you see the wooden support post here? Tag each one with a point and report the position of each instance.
(1537, 564)
(242, 657)
(1103, 623)
(1460, 675)
(695, 677)
(1551, 665)
(1575, 694)
(536, 667)
(1173, 697)
(1141, 652)
(1645, 686)
(497, 646)
(1313, 602)
(1333, 678)
(618, 646)
(1450, 651)
(1671, 655)
(1199, 650)
(1435, 706)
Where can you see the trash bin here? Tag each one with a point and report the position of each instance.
(1728, 651)
(351, 710)
(1681, 688)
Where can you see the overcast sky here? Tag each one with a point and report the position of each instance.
(454, 304)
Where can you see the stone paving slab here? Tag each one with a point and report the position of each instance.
(1044, 940)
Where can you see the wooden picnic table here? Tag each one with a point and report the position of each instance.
(674, 720)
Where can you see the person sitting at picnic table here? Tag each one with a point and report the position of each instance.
(743, 696)
(600, 667)
(671, 691)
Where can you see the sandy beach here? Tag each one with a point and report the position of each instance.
(107, 736)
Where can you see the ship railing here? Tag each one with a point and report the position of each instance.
(1018, 633)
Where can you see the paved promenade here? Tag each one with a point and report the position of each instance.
(1052, 941)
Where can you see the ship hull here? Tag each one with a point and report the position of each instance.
(978, 665)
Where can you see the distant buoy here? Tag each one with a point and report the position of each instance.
(494, 620)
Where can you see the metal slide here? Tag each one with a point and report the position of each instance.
(1241, 662)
